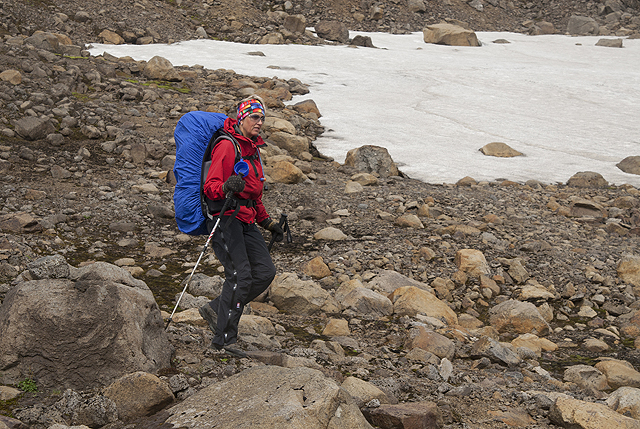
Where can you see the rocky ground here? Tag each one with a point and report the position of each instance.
(87, 176)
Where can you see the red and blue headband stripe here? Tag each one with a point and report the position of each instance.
(248, 107)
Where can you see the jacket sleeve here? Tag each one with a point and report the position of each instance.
(261, 212)
(222, 161)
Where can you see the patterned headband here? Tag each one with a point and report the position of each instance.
(248, 107)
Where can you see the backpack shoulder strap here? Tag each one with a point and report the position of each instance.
(217, 137)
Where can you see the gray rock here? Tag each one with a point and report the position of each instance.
(98, 318)
(610, 43)
(582, 26)
(298, 398)
(630, 164)
(95, 411)
(49, 267)
(139, 394)
(204, 285)
(404, 415)
(586, 377)
(417, 6)
(44, 40)
(332, 30)
(367, 303)
(387, 281)
(370, 159)
(82, 16)
(495, 351)
(295, 23)
(587, 179)
(513, 317)
(33, 128)
(161, 68)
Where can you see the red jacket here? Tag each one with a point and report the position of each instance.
(222, 163)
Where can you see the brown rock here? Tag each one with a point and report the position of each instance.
(587, 179)
(430, 341)
(472, 262)
(12, 76)
(412, 415)
(515, 317)
(501, 150)
(316, 268)
(630, 164)
(448, 34)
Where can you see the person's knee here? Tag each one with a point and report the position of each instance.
(267, 274)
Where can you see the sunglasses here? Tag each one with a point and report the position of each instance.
(256, 118)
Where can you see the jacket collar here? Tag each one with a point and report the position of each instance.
(231, 126)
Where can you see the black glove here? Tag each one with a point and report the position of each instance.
(272, 225)
(233, 184)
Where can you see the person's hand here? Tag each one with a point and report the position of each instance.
(272, 225)
(233, 184)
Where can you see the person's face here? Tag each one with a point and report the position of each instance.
(250, 126)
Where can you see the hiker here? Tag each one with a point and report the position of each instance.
(237, 242)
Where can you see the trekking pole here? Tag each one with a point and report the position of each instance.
(241, 168)
(206, 244)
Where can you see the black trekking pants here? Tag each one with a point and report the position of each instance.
(248, 271)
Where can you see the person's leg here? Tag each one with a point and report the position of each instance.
(229, 247)
(209, 312)
(262, 268)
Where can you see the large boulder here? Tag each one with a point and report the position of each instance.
(422, 414)
(587, 179)
(449, 34)
(285, 172)
(500, 150)
(290, 142)
(161, 69)
(629, 269)
(430, 341)
(332, 30)
(630, 164)
(513, 317)
(269, 396)
(80, 328)
(495, 351)
(33, 128)
(573, 413)
(367, 303)
(363, 391)
(388, 280)
(417, 6)
(295, 23)
(372, 159)
(296, 296)
(586, 377)
(139, 394)
(44, 40)
(273, 124)
(619, 373)
(111, 37)
(410, 300)
(582, 26)
(625, 400)
(472, 262)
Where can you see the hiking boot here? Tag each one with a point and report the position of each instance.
(207, 313)
(235, 352)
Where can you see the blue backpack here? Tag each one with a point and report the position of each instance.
(196, 133)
